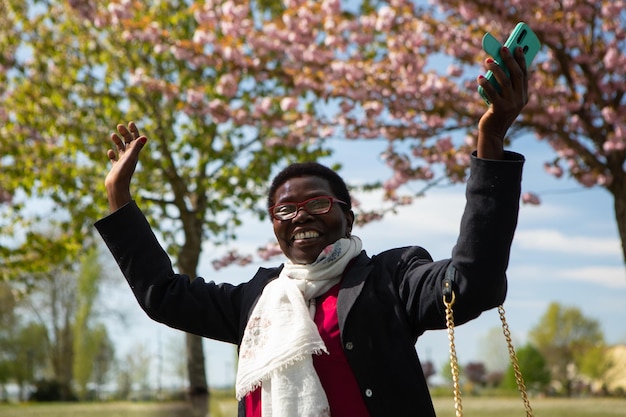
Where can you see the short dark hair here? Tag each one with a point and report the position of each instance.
(311, 169)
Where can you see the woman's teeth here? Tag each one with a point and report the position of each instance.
(306, 235)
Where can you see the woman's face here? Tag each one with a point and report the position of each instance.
(302, 238)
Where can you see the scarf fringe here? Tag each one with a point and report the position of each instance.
(255, 384)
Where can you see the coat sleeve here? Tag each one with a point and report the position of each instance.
(480, 257)
(194, 306)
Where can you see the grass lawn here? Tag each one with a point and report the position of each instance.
(542, 407)
(472, 406)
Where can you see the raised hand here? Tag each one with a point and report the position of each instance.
(124, 160)
(505, 105)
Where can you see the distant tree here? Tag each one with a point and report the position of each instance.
(23, 344)
(30, 355)
(90, 340)
(135, 372)
(53, 304)
(62, 303)
(494, 378)
(428, 367)
(533, 367)
(596, 362)
(476, 373)
(8, 322)
(493, 350)
(92, 360)
(564, 336)
(446, 372)
(104, 357)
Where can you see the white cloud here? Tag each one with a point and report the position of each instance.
(550, 240)
(608, 276)
(598, 275)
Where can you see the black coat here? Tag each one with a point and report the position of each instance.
(385, 302)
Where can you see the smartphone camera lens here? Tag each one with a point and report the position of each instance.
(521, 36)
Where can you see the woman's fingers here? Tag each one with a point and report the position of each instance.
(513, 87)
(134, 131)
(125, 136)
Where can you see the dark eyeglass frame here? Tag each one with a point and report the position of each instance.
(303, 204)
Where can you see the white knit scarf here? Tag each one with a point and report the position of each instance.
(281, 337)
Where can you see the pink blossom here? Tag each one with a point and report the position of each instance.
(326, 132)
(195, 96)
(273, 141)
(617, 139)
(384, 21)
(288, 103)
(203, 37)
(612, 58)
(587, 179)
(230, 258)
(227, 85)
(231, 54)
(269, 251)
(234, 10)
(609, 114)
(159, 48)
(331, 7)
(444, 144)
(5, 196)
(612, 145)
(262, 106)
(182, 54)
(424, 173)
(603, 180)
(373, 108)
(530, 198)
(205, 16)
(468, 13)
(454, 71)
(463, 159)
(241, 117)
(120, 11)
(137, 76)
(219, 111)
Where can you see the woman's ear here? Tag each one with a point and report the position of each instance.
(349, 222)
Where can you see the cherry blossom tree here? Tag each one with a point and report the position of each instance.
(579, 82)
(227, 90)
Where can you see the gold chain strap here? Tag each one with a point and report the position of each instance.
(518, 373)
(454, 364)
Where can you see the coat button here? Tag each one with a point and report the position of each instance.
(368, 393)
(349, 346)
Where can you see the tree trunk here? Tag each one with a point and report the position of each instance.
(617, 187)
(198, 387)
(619, 204)
(188, 260)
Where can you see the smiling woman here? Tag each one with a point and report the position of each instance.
(304, 229)
(333, 330)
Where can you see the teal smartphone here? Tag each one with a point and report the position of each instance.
(522, 36)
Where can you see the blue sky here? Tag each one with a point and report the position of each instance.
(566, 250)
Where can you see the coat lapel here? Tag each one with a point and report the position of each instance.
(351, 286)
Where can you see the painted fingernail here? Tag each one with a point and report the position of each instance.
(490, 60)
(143, 140)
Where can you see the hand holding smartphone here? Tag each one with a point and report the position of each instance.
(523, 37)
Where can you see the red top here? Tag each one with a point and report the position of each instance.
(339, 383)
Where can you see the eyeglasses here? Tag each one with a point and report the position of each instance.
(314, 206)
